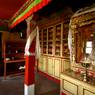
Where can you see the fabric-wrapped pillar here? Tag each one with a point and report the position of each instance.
(29, 84)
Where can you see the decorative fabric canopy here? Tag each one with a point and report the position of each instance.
(84, 16)
(33, 7)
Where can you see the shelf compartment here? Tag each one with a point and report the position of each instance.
(13, 53)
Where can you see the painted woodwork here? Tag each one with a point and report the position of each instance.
(65, 64)
(14, 55)
(87, 92)
(31, 62)
(44, 67)
(40, 65)
(50, 66)
(82, 25)
(12, 47)
(9, 7)
(57, 67)
(33, 7)
(73, 86)
(54, 44)
(69, 87)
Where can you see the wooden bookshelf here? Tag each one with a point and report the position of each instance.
(50, 40)
(65, 50)
(41, 40)
(45, 41)
(54, 40)
(13, 57)
(58, 40)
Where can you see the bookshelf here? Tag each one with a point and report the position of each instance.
(13, 57)
(54, 40)
(58, 40)
(50, 40)
(54, 43)
(65, 50)
(45, 41)
(41, 40)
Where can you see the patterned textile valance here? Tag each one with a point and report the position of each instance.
(83, 17)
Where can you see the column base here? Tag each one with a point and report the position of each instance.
(29, 90)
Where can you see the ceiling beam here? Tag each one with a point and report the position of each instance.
(27, 10)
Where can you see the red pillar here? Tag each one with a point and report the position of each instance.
(30, 65)
(29, 83)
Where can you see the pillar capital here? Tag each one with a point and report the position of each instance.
(29, 19)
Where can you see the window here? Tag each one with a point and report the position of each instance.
(88, 47)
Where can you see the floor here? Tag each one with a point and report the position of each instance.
(46, 87)
(13, 85)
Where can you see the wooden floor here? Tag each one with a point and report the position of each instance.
(14, 85)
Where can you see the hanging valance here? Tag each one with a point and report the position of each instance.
(84, 16)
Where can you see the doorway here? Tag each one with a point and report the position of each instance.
(1, 60)
(0, 47)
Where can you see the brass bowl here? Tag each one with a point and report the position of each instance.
(85, 65)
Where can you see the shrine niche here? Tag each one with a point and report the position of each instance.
(82, 28)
